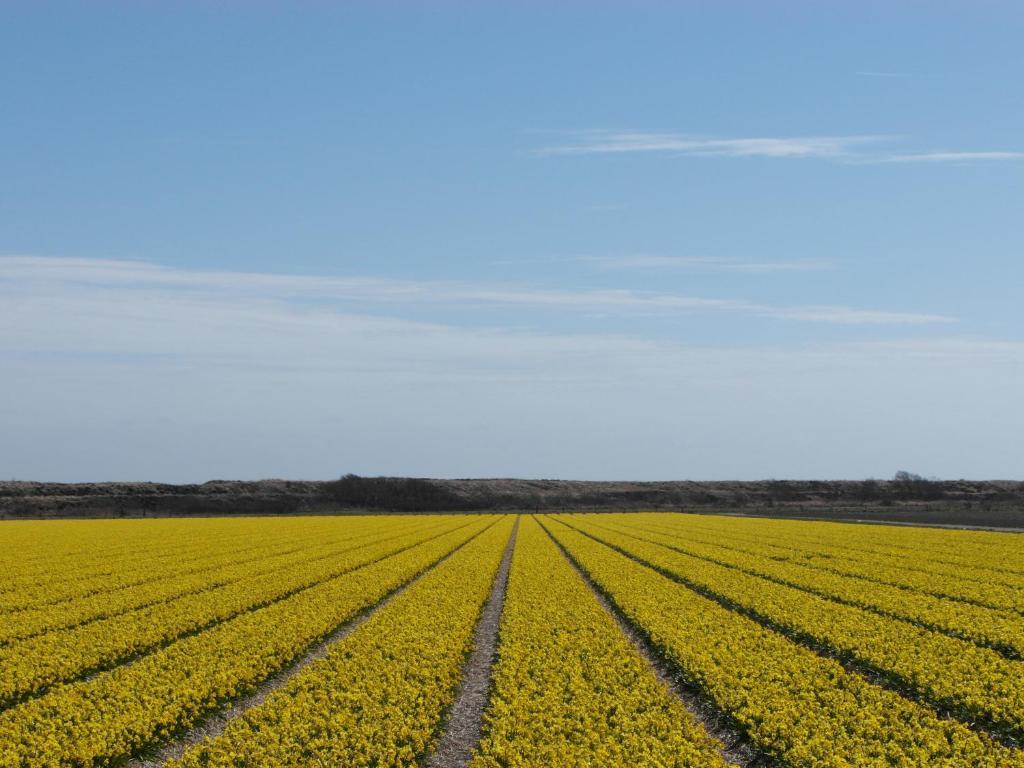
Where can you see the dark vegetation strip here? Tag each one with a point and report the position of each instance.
(208, 586)
(463, 724)
(86, 674)
(978, 722)
(219, 718)
(737, 745)
(1004, 650)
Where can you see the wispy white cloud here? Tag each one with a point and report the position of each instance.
(851, 316)
(653, 261)
(851, 149)
(611, 142)
(132, 280)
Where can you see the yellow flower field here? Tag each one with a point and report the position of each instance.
(626, 639)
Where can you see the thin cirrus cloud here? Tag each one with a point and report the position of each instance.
(617, 142)
(115, 283)
(854, 149)
(705, 263)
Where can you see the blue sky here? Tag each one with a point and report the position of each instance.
(609, 240)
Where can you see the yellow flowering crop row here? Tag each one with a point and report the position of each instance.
(975, 683)
(107, 570)
(1001, 630)
(801, 547)
(112, 571)
(271, 557)
(983, 565)
(569, 689)
(114, 545)
(901, 570)
(908, 572)
(934, 539)
(80, 577)
(377, 698)
(803, 708)
(36, 663)
(108, 717)
(959, 582)
(996, 555)
(86, 543)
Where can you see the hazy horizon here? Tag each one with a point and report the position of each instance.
(752, 481)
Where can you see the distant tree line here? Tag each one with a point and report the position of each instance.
(394, 494)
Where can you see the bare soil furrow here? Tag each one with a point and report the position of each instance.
(134, 656)
(464, 722)
(215, 723)
(1001, 648)
(736, 746)
(976, 721)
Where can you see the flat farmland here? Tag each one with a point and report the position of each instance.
(616, 639)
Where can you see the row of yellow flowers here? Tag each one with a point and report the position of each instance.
(968, 562)
(39, 662)
(974, 683)
(103, 719)
(90, 543)
(128, 554)
(378, 697)
(108, 565)
(804, 709)
(210, 573)
(1000, 630)
(121, 555)
(990, 555)
(914, 572)
(568, 688)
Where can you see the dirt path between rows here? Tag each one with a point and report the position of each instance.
(1003, 733)
(464, 723)
(736, 747)
(214, 724)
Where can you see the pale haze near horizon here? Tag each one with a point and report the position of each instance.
(627, 241)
